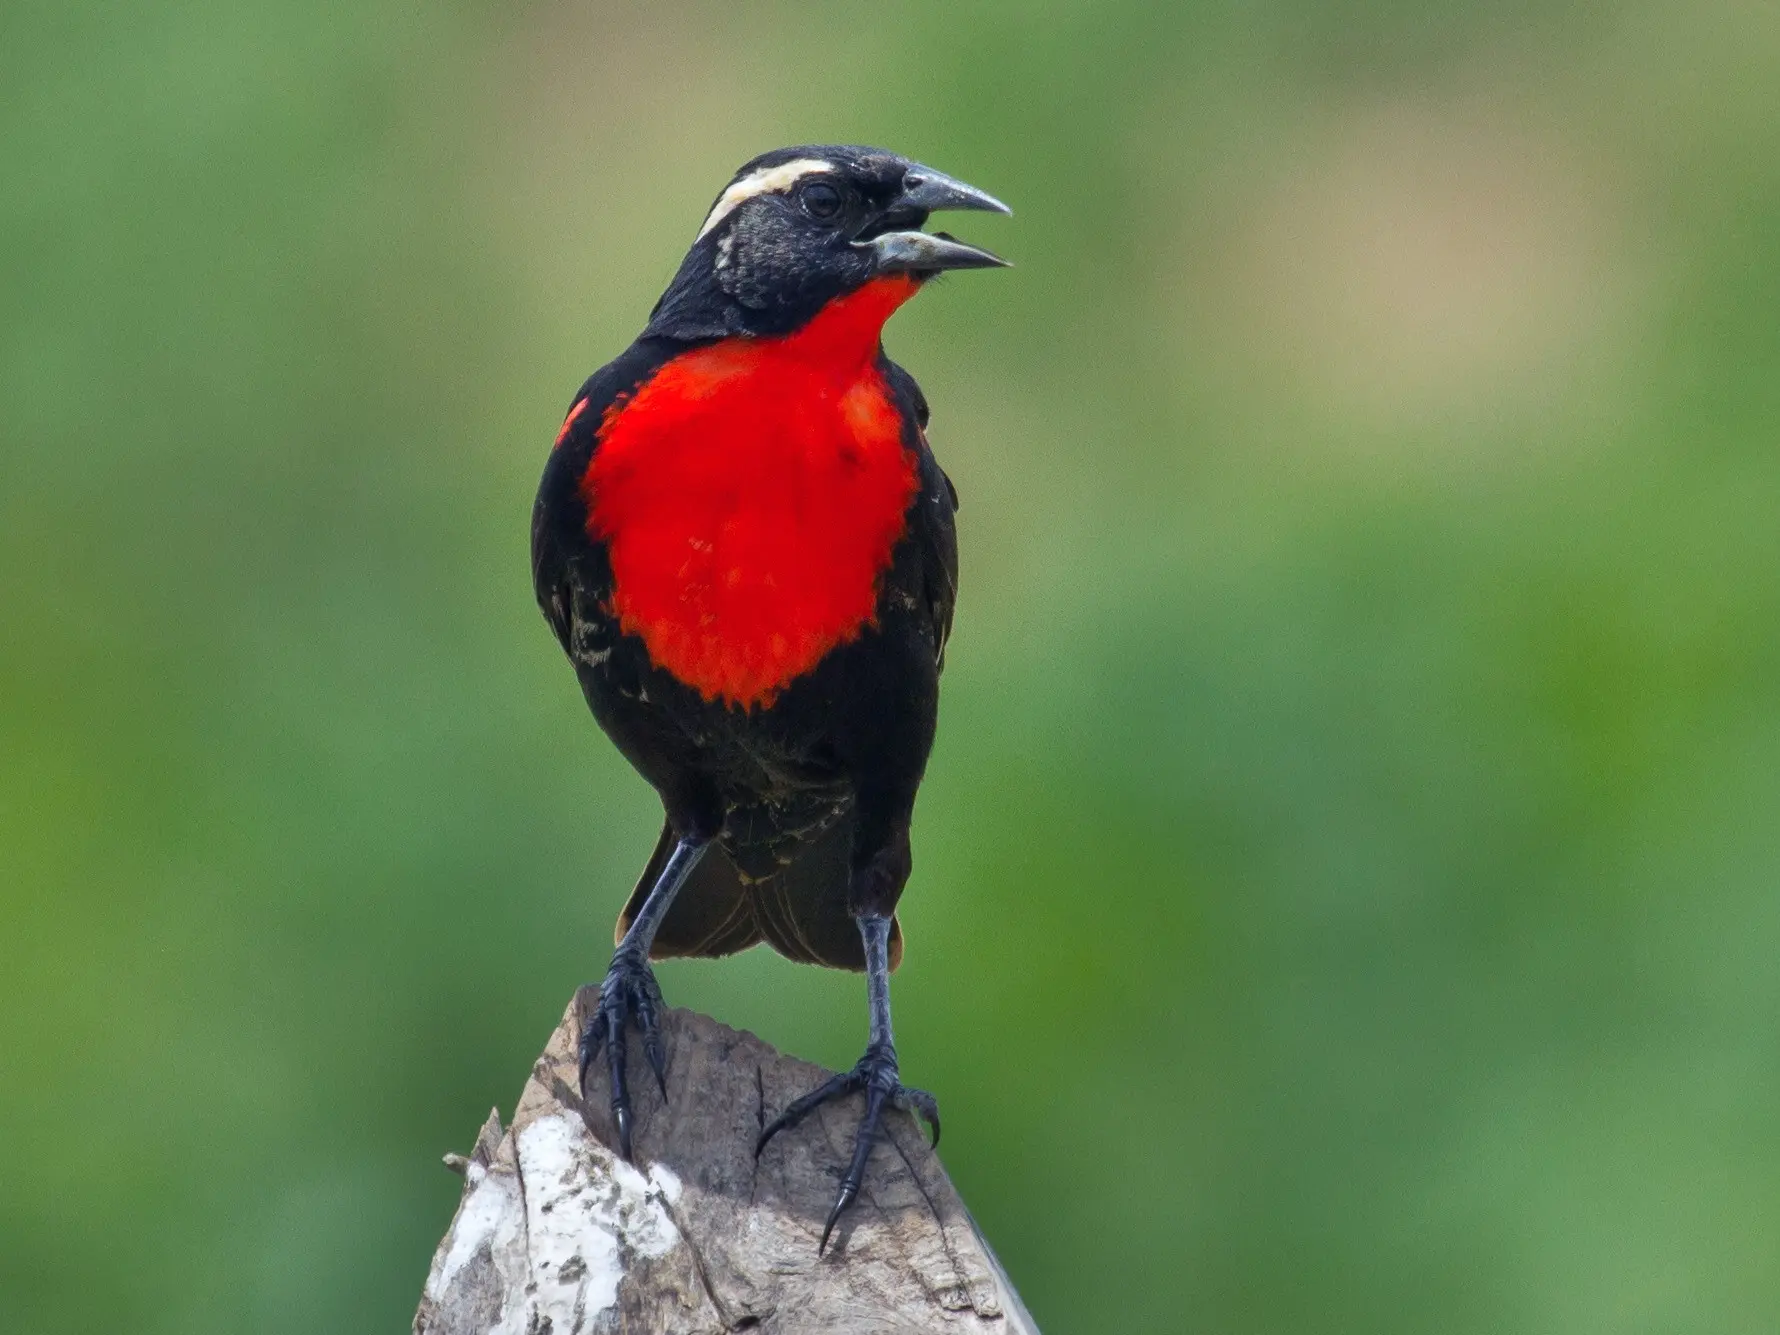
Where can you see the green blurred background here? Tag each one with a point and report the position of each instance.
(1346, 881)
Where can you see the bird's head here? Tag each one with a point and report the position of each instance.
(798, 227)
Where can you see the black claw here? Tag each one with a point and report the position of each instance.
(841, 1203)
(924, 1106)
(800, 1108)
(621, 1115)
(591, 1038)
(658, 1064)
(627, 996)
(863, 1140)
(652, 1049)
(615, 1053)
(876, 1074)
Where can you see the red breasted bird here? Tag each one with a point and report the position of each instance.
(746, 548)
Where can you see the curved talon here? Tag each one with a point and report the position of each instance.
(924, 1106)
(800, 1108)
(863, 1141)
(652, 1050)
(615, 1054)
(842, 1201)
(627, 995)
(621, 1115)
(591, 1039)
(657, 1063)
(876, 1075)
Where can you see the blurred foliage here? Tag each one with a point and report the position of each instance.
(1346, 882)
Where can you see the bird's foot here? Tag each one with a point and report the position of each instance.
(877, 1076)
(628, 994)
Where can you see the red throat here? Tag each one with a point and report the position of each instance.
(750, 495)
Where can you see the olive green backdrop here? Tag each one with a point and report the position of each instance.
(1346, 884)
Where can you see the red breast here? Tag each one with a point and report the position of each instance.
(750, 495)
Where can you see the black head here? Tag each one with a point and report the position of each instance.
(797, 227)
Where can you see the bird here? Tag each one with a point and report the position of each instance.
(746, 548)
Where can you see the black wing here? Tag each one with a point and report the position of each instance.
(559, 516)
(932, 523)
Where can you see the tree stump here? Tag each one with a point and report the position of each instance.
(557, 1235)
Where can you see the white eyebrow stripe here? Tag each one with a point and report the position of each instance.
(765, 181)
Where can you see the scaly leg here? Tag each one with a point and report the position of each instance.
(630, 992)
(876, 1074)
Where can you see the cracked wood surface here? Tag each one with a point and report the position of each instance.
(556, 1235)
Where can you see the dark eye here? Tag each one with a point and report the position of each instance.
(820, 200)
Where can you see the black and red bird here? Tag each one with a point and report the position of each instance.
(746, 548)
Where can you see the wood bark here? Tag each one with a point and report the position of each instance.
(557, 1235)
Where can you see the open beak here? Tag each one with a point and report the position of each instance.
(926, 191)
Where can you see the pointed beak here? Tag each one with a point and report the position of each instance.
(919, 252)
(926, 191)
(931, 192)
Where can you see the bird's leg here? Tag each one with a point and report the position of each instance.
(876, 1074)
(630, 993)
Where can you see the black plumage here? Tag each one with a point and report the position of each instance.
(786, 815)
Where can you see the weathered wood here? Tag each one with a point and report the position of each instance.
(556, 1235)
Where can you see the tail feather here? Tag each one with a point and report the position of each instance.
(711, 916)
(800, 909)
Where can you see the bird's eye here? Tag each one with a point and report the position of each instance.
(820, 200)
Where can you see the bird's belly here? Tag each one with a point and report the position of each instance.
(749, 508)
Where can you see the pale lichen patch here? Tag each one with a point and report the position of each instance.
(589, 1216)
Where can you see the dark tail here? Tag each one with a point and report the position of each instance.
(800, 909)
